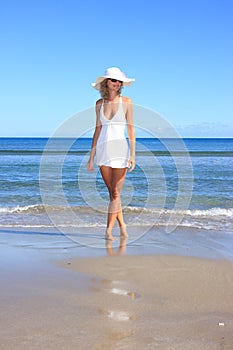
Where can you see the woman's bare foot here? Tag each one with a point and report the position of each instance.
(123, 231)
(108, 235)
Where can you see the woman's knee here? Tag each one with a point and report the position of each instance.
(114, 193)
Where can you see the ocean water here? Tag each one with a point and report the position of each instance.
(176, 183)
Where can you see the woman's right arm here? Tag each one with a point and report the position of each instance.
(90, 163)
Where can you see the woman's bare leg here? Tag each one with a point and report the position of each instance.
(114, 179)
(118, 177)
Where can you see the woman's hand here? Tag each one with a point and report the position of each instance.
(131, 164)
(90, 165)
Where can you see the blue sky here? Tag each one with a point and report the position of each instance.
(180, 52)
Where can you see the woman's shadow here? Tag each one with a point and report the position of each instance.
(117, 251)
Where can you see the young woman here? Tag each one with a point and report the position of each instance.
(113, 153)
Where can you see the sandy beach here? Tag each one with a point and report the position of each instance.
(62, 298)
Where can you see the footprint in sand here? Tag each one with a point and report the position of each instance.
(104, 284)
(117, 315)
(132, 295)
(100, 285)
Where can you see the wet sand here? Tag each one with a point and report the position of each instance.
(160, 302)
(53, 300)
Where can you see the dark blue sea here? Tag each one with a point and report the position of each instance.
(185, 183)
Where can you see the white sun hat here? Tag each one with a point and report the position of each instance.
(113, 73)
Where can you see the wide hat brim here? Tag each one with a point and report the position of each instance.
(113, 73)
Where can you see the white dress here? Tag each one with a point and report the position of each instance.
(112, 148)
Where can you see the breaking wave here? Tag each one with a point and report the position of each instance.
(40, 215)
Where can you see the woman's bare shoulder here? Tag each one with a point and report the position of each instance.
(126, 99)
(98, 102)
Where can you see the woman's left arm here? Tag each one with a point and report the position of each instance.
(131, 133)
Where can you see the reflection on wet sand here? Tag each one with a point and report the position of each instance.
(121, 249)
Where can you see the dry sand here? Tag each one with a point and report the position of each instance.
(121, 302)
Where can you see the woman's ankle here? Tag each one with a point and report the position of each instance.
(108, 234)
(123, 231)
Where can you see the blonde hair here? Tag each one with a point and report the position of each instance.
(104, 89)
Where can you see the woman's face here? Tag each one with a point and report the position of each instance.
(114, 84)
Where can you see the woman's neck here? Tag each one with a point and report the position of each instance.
(112, 96)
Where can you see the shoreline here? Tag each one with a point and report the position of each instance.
(89, 242)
